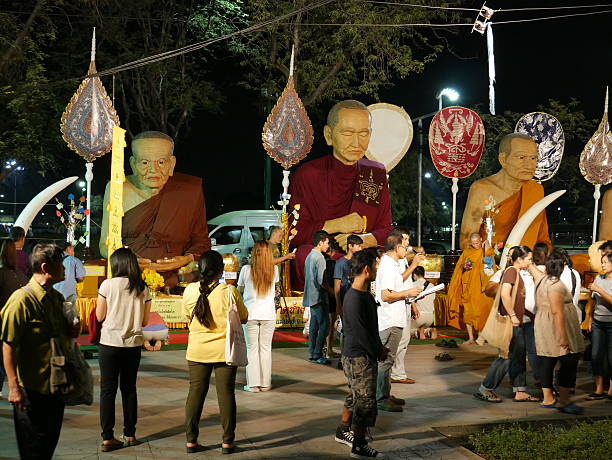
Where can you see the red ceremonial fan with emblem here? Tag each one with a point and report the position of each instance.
(456, 141)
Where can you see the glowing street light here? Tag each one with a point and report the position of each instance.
(427, 175)
(82, 184)
(450, 93)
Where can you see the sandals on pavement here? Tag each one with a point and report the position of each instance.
(571, 409)
(443, 357)
(596, 396)
(114, 444)
(552, 405)
(528, 399)
(490, 398)
(443, 344)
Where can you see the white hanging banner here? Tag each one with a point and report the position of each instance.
(491, 57)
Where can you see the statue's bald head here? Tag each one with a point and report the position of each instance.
(505, 146)
(518, 156)
(333, 115)
(153, 140)
(152, 159)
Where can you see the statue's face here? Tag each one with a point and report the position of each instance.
(152, 162)
(351, 135)
(520, 163)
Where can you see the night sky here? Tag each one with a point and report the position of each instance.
(537, 61)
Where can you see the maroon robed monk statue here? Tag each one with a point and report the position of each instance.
(164, 220)
(342, 193)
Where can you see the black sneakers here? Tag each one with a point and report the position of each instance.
(344, 437)
(365, 451)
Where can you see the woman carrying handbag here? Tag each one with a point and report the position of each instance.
(512, 297)
(206, 305)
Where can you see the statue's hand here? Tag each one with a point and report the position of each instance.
(351, 223)
(144, 263)
(167, 265)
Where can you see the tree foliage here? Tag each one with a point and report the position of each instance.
(342, 60)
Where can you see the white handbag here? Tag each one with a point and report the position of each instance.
(235, 343)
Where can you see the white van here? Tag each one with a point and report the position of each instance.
(237, 231)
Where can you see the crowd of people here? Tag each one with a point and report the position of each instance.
(375, 294)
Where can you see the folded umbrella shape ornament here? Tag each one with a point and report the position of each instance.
(287, 134)
(87, 123)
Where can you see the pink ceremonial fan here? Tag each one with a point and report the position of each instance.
(456, 143)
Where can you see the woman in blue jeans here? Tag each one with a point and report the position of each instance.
(600, 326)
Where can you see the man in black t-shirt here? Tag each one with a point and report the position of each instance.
(361, 350)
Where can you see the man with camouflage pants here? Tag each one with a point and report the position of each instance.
(360, 351)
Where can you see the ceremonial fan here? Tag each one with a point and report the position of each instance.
(456, 143)
(596, 161)
(287, 137)
(548, 134)
(392, 134)
(87, 125)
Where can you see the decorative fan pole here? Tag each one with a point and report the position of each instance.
(87, 125)
(287, 137)
(456, 143)
(596, 161)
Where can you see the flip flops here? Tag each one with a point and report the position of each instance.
(490, 398)
(443, 357)
(571, 409)
(596, 396)
(552, 405)
(447, 344)
(528, 399)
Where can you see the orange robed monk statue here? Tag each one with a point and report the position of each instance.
(164, 220)
(513, 188)
(466, 298)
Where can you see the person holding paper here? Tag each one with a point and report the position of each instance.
(391, 295)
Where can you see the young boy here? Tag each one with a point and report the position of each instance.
(361, 350)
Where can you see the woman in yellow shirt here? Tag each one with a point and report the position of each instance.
(205, 304)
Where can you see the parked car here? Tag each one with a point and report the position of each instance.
(237, 231)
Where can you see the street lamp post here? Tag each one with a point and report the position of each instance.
(12, 165)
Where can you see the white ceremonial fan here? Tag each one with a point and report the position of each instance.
(392, 133)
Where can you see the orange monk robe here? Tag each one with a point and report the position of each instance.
(512, 208)
(466, 298)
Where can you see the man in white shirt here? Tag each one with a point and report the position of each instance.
(391, 296)
(398, 371)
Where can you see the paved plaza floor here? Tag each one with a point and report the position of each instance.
(298, 417)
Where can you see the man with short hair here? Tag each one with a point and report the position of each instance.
(37, 413)
(342, 271)
(361, 350)
(315, 297)
(74, 272)
(398, 371)
(391, 296)
(18, 235)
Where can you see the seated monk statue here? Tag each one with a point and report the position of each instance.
(343, 193)
(164, 220)
(466, 298)
(605, 224)
(514, 191)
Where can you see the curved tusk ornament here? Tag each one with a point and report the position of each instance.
(28, 214)
(521, 226)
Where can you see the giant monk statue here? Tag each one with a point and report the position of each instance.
(164, 220)
(514, 191)
(341, 193)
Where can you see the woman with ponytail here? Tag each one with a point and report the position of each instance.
(256, 282)
(205, 304)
